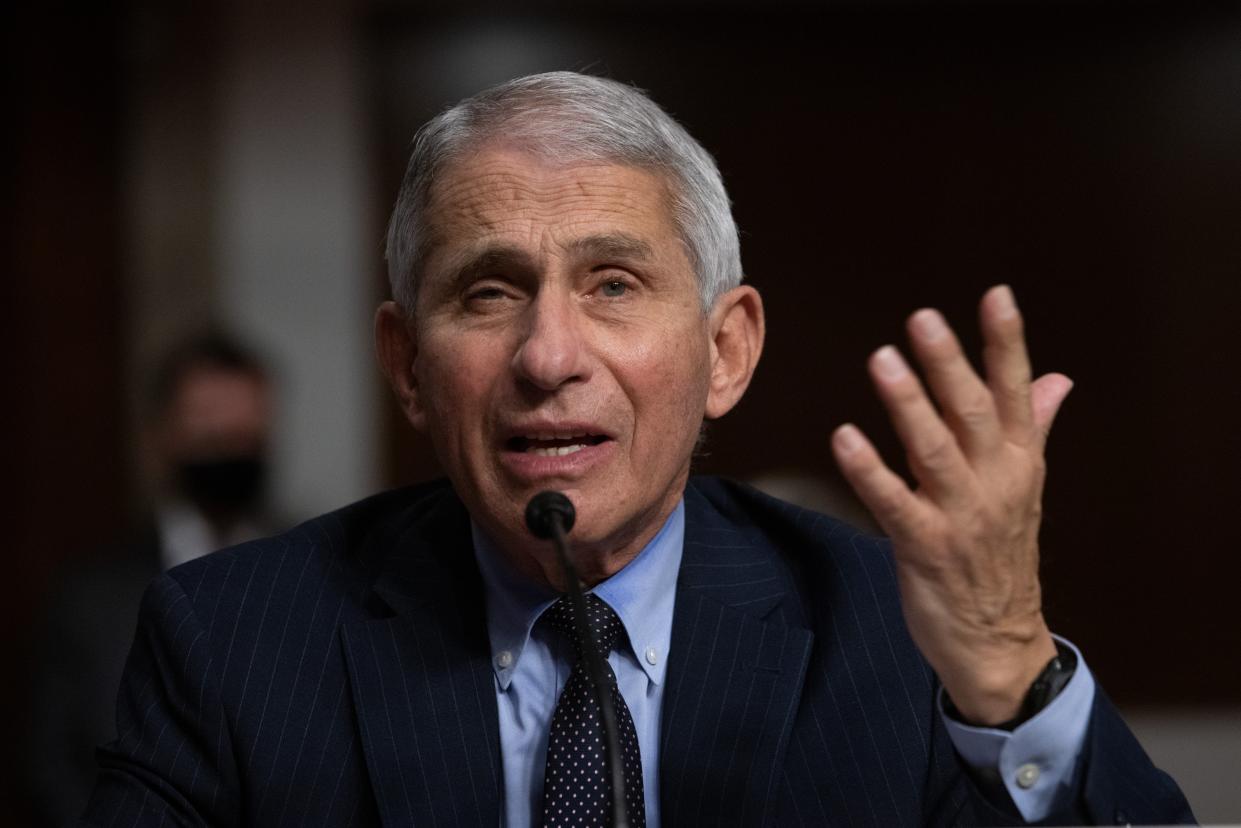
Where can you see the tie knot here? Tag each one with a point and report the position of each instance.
(605, 625)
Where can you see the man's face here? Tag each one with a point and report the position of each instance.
(560, 344)
(212, 439)
(216, 413)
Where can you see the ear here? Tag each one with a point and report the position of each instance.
(737, 331)
(396, 346)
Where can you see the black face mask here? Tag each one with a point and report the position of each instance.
(223, 485)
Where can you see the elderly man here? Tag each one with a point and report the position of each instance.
(568, 311)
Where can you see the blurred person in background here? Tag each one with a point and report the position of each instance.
(207, 429)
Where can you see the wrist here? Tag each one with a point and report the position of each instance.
(993, 683)
(1038, 693)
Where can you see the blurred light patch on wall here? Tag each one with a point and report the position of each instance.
(295, 261)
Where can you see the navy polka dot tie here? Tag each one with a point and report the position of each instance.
(576, 789)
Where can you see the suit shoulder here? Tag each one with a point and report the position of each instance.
(822, 554)
(802, 530)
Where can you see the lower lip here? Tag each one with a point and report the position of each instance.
(529, 466)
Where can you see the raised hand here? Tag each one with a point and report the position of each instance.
(966, 539)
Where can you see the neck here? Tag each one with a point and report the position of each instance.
(591, 569)
(595, 561)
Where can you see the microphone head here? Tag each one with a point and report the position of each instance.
(545, 510)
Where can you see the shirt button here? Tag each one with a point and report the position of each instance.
(651, 656)
(1027, 775)
(504, 659)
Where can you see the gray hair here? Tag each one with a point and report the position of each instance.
(576, 118)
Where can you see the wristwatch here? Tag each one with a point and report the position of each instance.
(1047, 685)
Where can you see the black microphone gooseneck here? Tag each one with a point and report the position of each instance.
(550, 515)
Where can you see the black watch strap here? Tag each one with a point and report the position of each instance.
(1042, 692)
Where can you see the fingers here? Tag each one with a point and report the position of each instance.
(1007, 363)
(1047, 393)
(934, 453)
(964, 399)
(973, 420)
(880, 489)
(981, 414)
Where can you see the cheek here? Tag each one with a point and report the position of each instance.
(671, 380)
(453, 387)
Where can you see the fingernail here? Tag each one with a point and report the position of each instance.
(1004, 303)
(889, 364)
(929, 324)
(847, 439)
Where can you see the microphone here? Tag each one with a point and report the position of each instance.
(550, 516)
(548, 511)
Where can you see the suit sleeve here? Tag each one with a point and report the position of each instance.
(1115, 784)
(173, 761)
(1120, 785)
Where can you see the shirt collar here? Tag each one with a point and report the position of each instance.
(186, 534)
(642, 594)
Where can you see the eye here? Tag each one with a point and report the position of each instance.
(489, 292)
(485, 294)
(613, 288)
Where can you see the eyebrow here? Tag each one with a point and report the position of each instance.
(476, 261)
(612, 246)
(466, 265)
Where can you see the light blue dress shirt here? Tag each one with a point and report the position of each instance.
(532, 663)
(1036, 762)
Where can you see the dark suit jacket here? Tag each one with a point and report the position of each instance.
(83, 639)
(340, 674)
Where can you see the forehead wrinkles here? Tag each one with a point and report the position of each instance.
(498, 199)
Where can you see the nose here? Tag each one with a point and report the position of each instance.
(553, 351)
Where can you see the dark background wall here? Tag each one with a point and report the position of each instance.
(61, 314)
(880, 156)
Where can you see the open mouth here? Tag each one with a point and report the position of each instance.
(553, 445)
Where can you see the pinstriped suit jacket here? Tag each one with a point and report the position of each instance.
(340, 675)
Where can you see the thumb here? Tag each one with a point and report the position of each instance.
(1046, 394)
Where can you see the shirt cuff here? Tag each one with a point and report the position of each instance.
(1036, 762)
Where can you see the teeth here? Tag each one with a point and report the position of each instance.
(556, 451)
(558, 435)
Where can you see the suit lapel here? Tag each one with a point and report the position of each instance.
(734, 678)
(421, 679)
(423, 687)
